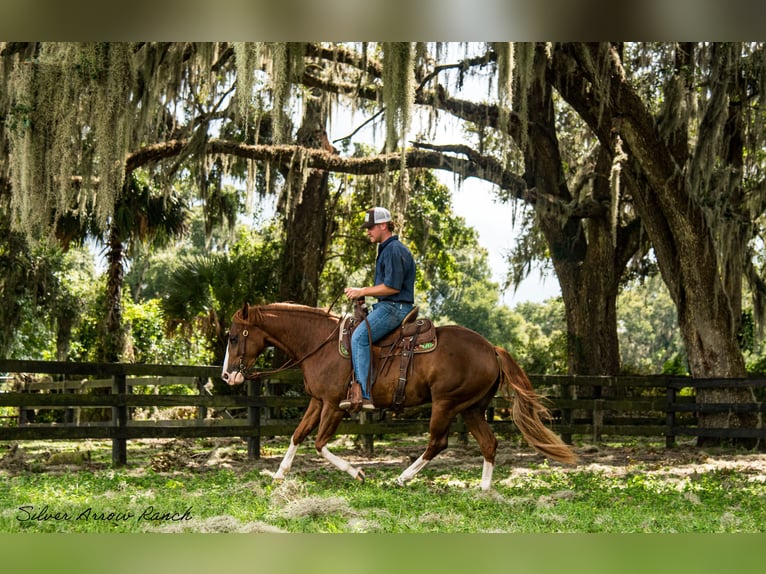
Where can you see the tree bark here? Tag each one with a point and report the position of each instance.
(113, 342)
(680, 233)
(588, 257)
(307, 217)
(306, 238)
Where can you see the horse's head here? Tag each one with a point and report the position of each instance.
(245, 343)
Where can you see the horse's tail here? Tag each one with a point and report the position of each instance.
(529, 411)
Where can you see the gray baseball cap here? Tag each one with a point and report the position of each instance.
(376, 215)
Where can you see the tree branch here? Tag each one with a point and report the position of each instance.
(426, 157)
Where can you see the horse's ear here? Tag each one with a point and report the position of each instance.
(245, 310)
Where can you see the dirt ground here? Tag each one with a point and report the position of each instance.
(513, 458)
(611, 460)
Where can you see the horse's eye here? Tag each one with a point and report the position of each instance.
(233, 339)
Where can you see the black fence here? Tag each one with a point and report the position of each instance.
(136, 401)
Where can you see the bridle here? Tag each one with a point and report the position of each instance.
(250, 374)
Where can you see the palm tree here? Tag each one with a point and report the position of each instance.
(206, 289)
(141, 215)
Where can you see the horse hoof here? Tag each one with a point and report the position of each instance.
(360, 476)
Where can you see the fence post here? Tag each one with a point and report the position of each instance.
(670, 417)
(202, 409)
(254, 419)
(462, 434)
(598, 419)
(119, 422)
(566, 413)
(368, 440)
(23, 414)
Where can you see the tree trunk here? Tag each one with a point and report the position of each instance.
(308, 219)
(113, 342)
(681, 236)
(306, 237)
(588, 257)
(307, 226)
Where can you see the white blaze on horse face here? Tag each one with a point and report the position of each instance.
(235, 378)
(224, 369)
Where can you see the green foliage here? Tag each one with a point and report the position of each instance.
(650, 340)
(150, 342)
(350, 259)
(203, 291)
(677, 365)
(544, 347)
(44, 292)
(25, 276)
(446, 250)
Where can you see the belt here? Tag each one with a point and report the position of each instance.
(399, 304)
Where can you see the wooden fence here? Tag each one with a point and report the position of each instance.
(135, 396)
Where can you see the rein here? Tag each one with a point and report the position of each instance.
(287, 365)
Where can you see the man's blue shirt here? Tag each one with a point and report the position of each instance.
(395, 268)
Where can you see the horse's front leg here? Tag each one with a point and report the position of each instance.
(308, 423)
(328, 424)
(441, 417)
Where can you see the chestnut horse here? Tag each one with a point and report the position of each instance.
(461, 376)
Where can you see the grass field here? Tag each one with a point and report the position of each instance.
(210, 486)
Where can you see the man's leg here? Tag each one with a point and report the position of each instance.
(384, 318)
(360, 356)
(360, 362)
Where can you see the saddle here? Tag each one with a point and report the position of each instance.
(419, 333)
(414, 336)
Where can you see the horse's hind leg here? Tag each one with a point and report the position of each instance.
(308, 423)
(441, 418)
(482, 432)
(328, 424)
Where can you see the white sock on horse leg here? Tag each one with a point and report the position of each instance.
(340, 463)
(486, 475)
(287, 461)
(410, 472)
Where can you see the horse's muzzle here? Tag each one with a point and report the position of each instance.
(235, 378)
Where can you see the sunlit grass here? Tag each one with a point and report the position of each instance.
(236, 495)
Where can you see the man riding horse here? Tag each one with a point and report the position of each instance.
(394, 287)
(458, 375)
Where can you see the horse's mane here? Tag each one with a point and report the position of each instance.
(289, 306)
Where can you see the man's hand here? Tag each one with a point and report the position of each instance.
(354, 292)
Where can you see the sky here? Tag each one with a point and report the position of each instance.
(474, 200)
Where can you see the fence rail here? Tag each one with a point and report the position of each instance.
(592, 407)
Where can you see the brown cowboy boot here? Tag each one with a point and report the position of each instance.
(353, 400)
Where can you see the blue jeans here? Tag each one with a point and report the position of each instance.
(384, 318)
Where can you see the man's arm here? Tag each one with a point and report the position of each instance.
(381, 290)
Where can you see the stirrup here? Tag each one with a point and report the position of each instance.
(368, 406)
(353, 400)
